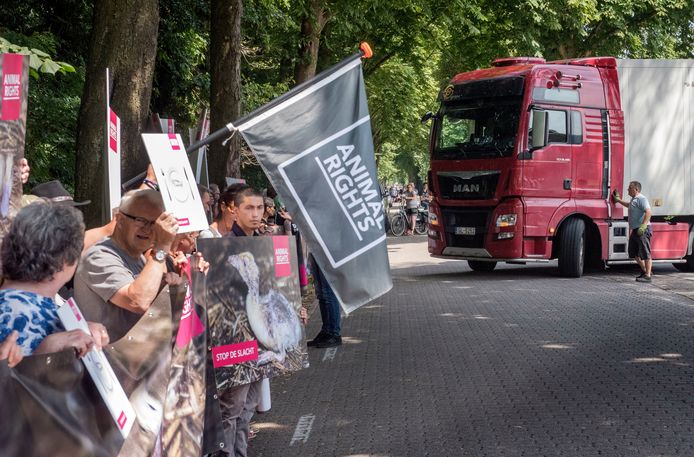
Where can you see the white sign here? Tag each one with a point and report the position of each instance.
(167, 125)
(100, 370)
(176, 180)
(113, 153)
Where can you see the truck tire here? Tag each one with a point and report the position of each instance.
(686, 267)
(478, 265)
(572, 248)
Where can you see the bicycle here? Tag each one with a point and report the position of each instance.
(401, 221)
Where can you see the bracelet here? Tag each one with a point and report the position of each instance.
(151, 184)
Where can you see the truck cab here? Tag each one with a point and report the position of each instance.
(524, 157)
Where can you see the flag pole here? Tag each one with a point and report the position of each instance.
(364, 52)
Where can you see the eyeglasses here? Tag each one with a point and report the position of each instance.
(140, 221)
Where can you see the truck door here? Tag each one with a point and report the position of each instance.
(547, 172)
(587, 153)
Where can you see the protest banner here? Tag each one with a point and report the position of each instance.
(99, 369)
(320, 160)
(14, 90)
(167, 125)
(113, 156)
(50, 406)
(176, 180)
(184, 408)
(198, 157)
(252, 298)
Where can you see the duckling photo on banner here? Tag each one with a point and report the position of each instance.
(253, 300)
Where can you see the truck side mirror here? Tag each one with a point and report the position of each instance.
(539, 129)
(425, 118)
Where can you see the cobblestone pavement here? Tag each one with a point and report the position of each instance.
(517, 362)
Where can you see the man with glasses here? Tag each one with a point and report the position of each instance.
(115, 283)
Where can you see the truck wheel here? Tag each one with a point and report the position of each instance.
(477, 265)
(572, 247)
(686, 267)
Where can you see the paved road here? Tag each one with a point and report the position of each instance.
(517, 362)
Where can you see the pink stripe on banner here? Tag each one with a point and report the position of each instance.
(75, 310)
(11, 87)
(174, 142)
(169, 125)
(223, 356)
(184, 221)
(283, 266)
(113, 131)
(122, 419)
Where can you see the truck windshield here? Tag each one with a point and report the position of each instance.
(477, 128)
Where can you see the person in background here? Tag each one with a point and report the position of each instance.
(412, 206)
(206, 200)
(639, 216)
(425, 198)
(226, 214)
(37, 260)
(330, 333)
(214, 189)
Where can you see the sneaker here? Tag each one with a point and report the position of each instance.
(320, 337)
(330, 342)
(643, 273)
(644, 279)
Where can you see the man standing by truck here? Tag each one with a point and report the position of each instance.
(639, 225)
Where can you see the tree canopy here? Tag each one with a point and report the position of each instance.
(418, 46)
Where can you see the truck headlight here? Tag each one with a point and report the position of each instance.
(506, 220)
(433, 220)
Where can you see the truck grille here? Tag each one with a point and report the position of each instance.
(455, 217)
(468, 185)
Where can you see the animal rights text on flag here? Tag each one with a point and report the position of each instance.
(315, 146)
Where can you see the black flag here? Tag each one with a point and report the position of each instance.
(315, 146)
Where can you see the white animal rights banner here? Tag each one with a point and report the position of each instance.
(113, 154)
(198, 158)
(176, 180)
(315, 145)
(100, 370)
(253, 301)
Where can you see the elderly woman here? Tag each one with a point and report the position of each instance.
(39, 255)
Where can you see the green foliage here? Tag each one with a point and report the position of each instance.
(52, 109)
(181, 81)
(39, 61)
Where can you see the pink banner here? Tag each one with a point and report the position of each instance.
(11, 88)
(231, 354)
(191, 326)
(113, 132)
(283, 266)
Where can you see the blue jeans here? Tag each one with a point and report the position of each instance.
(327, 301)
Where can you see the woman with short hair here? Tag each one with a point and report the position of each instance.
(39, 255)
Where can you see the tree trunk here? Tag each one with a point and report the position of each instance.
(123, 39)
(225, 86)
(311, 29)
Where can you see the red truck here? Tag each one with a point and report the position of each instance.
(526, 154)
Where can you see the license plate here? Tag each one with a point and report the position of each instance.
(465, 230)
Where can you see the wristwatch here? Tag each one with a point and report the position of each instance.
(159, 255)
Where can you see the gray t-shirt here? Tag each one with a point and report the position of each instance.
(637, 210)
(102, 272)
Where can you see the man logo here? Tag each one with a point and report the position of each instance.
(466, 188)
